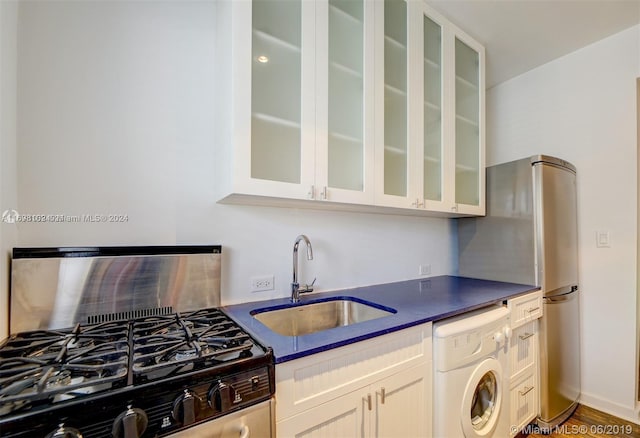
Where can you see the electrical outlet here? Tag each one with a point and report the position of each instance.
(425, 270)
(265, 282)
(603, 239)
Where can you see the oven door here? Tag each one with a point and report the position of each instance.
(253, 421)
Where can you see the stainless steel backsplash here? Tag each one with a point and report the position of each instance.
(60, 287)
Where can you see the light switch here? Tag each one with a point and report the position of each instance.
(603, 239)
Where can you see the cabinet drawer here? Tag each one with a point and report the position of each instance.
(525, 308)
(524, 402)
(523, 349)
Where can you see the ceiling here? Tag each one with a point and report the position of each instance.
(520, 35)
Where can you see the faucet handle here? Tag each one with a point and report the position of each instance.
(309, 287)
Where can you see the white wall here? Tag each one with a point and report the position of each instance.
(8, 191)
(582, 108)
(116, 110)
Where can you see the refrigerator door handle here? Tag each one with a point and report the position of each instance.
(563, 296)
(561, 291)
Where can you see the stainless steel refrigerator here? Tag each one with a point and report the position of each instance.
(529, 236)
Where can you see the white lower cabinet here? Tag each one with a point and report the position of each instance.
(343, 416)
(524, 346)
(392, 407)
(522, 351)
(376, 388)
(523, 401)
(400, 405)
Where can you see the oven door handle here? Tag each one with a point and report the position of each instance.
(245, 432)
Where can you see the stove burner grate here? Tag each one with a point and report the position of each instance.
(30, 381)
(204, 336)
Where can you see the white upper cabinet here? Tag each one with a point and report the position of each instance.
(301, 99)
(469, 126)
(430, 136)
(394, 157)
(276, 91)
(365, 103)
(270, 149)
(344, 101)
(429, 112)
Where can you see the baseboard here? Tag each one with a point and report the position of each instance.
(611, 408)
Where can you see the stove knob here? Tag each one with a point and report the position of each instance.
(64, 432)
(130, 424)
(186, 408)
(221, 397)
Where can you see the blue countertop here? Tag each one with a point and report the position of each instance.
(415, 302)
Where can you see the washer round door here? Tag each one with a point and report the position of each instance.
(482, 400)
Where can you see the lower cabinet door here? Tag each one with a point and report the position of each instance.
(524, 402)
(397, 406)
(402, 408)
(341, 417)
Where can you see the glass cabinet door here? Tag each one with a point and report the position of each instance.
(467, 124)
(346, 97)
(432, 107)
(276, 90)
(396, 171)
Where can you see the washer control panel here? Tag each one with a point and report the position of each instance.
(477, 334)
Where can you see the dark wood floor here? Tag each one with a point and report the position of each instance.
(588, 422)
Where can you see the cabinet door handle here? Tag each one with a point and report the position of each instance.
(382, 395)
(311, 193)
(525, 336)
(324, 193)
(533, 309)
(527, 389)
(369, 403)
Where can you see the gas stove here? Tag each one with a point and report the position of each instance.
(119, 374)
(165, 372)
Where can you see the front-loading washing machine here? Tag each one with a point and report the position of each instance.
(471, 375)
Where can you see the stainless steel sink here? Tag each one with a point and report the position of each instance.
(304, 319)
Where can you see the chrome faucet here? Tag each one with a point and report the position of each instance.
(295, 286)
